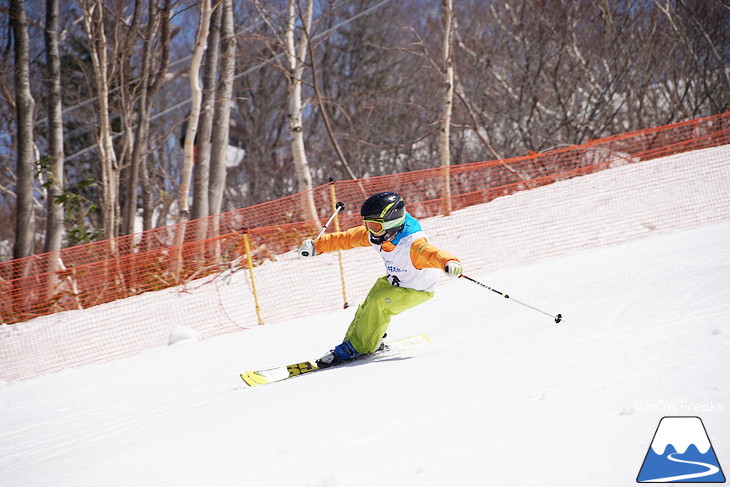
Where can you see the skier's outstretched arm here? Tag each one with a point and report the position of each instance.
(331, 242)
(424, 254)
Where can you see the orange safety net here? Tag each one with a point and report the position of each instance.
(43, 297)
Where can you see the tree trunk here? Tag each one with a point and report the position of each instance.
(24, 106)
(196, 95)
(222, 121)
(54, 209)
(296, 56)
(134, 105)
(187, 169)
(201, 166)
(155, 86)
(447, 7)
(94, 25)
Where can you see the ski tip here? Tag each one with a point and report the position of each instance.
(253, 379)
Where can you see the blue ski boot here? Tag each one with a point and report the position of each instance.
(341, 353)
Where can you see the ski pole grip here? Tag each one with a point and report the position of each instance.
(338, 207)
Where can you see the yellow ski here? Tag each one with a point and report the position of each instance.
(260, 377)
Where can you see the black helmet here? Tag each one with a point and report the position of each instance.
(383, 212)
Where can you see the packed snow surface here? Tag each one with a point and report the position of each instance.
(503, 396)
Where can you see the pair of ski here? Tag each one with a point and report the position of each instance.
(260, 377)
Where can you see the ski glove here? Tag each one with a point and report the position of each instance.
(453, 268)
(307, 248)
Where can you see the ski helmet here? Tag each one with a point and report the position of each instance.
(384, 215)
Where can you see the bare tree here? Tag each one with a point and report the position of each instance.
(447, 9)
(296, 54)
(266, 172)
(294, 43)
(24, 106)
(124, 38)
(54, 208)
(94, 22)
(221, 122)
(140, 78)
(702, 74)
(201, 38)
(157, 77)
(323, 112)
(201, 169)
(528, 76)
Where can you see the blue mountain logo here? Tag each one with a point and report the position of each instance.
(681, 452)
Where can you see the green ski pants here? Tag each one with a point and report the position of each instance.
(373, 315)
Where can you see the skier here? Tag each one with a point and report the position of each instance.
(411, 262)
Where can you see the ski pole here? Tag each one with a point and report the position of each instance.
(558, 317)
(339, 206)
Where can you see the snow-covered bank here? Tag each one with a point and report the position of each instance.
(605, 208)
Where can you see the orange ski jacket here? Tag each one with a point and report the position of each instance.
(423, 254)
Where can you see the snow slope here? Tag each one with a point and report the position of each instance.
(503, 396)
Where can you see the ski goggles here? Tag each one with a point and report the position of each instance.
(377, 226)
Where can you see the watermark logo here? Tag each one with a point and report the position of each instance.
(681, 452)
(680, 407)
